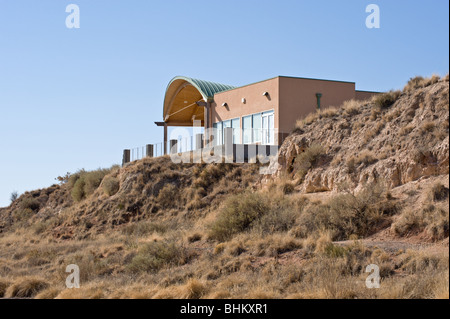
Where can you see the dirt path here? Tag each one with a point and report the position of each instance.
(385, 240)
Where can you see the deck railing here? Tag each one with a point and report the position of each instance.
(181, 144)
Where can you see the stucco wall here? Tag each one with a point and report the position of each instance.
(298, 98)
(255, 101)
(364, 95)
(290, 98)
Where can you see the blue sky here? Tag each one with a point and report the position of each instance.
(75, 98)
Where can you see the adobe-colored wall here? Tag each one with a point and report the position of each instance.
(298, 98)
(290, 98)
(255, 101)
(364, 95)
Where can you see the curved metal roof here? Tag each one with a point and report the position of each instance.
(206, 88)
(183, 92)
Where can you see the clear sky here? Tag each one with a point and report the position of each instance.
(75, 98)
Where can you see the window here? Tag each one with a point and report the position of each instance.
(247, 129)
(220, 130)
(267, 128)
(257, 128)
(236, 125)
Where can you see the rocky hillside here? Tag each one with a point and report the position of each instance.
(396, 138)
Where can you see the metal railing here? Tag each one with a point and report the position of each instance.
(215, 137)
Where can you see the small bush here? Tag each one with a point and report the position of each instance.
(156, 255)
(238, 214)
(427, 127)
(347, 214)
(307, 160)
(23, 214)
(385, 100)
(309, 119)
(439, 192)
(26, 287)
(14, 196)
(276, 220)
(30, 203)
(433, 220)
(287, 188)
(351, 107)
(329, 112)
(84, 184)
(168, 196)
(111, 185)
(420, 82)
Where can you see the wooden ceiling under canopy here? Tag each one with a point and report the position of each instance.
(182, 93)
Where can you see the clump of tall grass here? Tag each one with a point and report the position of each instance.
(84, 183)
(385, 100)
(307, 160)
(420, 82)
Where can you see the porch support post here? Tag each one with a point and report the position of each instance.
(165, 134)
(165, 138)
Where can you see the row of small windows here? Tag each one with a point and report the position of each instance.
(257, 128)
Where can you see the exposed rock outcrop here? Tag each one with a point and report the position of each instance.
(365, 143)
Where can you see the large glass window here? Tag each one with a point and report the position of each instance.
(247, 129)
(257, 128)
(220, 131)
(236, 125)
(267, 128)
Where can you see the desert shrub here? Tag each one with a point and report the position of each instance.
(78, 192)
(276, 220)
(351, 107)
(13, 197)
(194, 237)
(26, 287)
(329, 112)
(307, 120)
(85, 183)
(30, 203)
(287, 188)
(439, 192)
(238, 214)
(420, 82)
(431, 219)
(23, 214)
(168, 196)
(155, 255)
(427, 127)
(307, 160)
(421, 154)
(346, 214)
(111, 185)
(385, 100)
